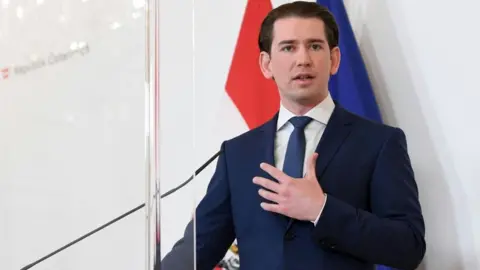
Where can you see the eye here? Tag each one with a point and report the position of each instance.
(287, 48)
(316, 47)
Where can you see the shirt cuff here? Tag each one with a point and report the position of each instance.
(321, 210)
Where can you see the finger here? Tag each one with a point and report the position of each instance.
(273, 197)
(311, 167)
(267, 183)
(275, 173)
(275, 208)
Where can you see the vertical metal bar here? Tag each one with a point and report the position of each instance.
(149, 7)
(156, 132)
(194, 139)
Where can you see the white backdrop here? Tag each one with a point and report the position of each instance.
(72, 134)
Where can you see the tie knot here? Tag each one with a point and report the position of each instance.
(300, 121)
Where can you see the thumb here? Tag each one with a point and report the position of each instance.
(312, 161)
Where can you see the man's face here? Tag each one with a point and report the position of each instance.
(300, 61)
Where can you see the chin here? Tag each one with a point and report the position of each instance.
(305, 94)
(305, 99)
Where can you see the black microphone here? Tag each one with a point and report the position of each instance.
(199, 170)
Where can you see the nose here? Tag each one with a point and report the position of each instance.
(303, 57)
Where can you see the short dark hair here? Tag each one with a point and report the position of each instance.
(301, 9)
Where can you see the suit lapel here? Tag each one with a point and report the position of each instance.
(269, 131)
(267, 152)
(337, 130)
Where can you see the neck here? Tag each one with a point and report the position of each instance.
(301, 107)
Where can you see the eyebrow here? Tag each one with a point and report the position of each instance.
(292, 41)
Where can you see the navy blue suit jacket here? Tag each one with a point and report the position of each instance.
(372, 215)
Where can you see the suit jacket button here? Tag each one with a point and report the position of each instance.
(289, 236)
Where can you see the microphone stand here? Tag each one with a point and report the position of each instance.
(199, 170)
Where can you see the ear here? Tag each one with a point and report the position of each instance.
(264, 61)
(335, 57)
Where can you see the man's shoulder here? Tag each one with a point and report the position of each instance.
(372, 128)
(249, 136)
(253, 137)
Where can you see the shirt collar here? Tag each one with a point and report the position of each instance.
(321, 112)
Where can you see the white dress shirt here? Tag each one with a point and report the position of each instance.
(313, 132)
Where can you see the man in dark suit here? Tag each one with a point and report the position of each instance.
(316, 187)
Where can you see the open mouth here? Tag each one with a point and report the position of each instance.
(303, 77)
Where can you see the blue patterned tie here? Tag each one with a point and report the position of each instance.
(293, 165)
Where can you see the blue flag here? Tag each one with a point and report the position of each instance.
(351, 86)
